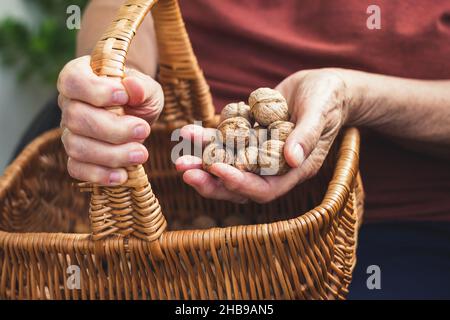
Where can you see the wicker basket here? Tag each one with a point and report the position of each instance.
(301, 246)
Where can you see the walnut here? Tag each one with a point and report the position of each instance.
(204, 222)
(234, 132)
(267, 106)
(280, 130)
(176, 224)
(239, 109)
(238, 220)
(258, 135)
(216, 153)
(247, 159)
(271, 158)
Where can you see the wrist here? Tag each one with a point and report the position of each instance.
(355, 95)
(352, 90)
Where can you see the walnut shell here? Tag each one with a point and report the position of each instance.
(238, 220)
(258, 135)
(234, 132)
(267, 106)
(204, 222)
(236, 109)
(271, 158)
(247, 159)
(176, 224)
(215, 153)
(280, 130)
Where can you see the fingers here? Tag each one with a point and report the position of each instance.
(95, 173)
(316, 101)
(198, 134)
(146, 98)
(244, 183)
(257, 188)
(238, 184)
(83, 119)
(205, 184)
(96, 140)
(141, 93)
(310, 123)
(77, 81)
(302, 141)
(188, 162)
(97, 152)
(209, 187)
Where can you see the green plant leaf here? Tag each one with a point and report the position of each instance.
(39, 51)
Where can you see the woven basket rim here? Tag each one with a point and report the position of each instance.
(278, 228)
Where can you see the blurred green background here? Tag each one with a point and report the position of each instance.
(39, 49)
(35, 43)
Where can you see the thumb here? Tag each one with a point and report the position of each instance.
(303, 139)
(146, 98)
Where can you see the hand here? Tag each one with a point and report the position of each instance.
(98, 142)
(317, 101)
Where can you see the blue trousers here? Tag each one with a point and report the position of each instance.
(413, 260)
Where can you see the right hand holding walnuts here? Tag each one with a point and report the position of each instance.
(317, 110)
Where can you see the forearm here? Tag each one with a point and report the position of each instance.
(98, 15)
(415, 110)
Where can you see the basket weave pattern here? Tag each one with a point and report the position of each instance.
(301, 246)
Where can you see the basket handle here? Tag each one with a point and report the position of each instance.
(131, 209)
(187, 94)
(109, 54)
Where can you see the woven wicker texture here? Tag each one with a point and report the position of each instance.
(301, 246)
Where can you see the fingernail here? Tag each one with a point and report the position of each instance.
(140, 132)
(120, 97)
(115, 178)
(298, 155)
(136, 157)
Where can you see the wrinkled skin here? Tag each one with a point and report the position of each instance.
(317, 102)
(98, 142)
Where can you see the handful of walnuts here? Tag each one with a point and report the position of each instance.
(251, 137)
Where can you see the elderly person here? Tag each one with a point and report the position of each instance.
(335, 71)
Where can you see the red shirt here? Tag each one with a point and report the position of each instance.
(245, 44)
